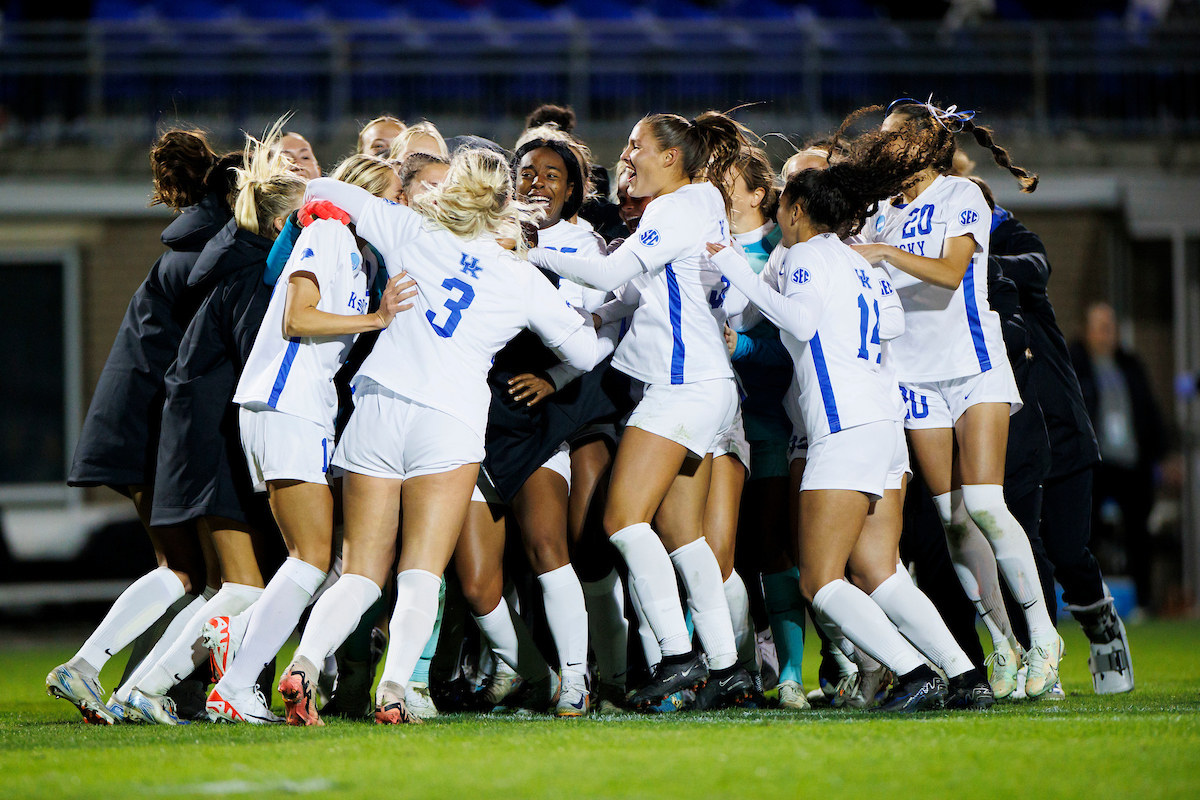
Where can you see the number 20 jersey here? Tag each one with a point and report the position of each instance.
(948, 333)
(473, 297)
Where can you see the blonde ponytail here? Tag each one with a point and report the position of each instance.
(266, 187)
(476, 199)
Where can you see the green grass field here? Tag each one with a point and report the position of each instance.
(1145, 744)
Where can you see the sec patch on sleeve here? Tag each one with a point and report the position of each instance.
(649, 237)
(800, 275)
(968, 217)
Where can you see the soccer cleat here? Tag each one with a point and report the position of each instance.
(155, 709)
(1042, 661)
(390, 708)
(846, 693)
(222, 636)
(919, 690)
(573, 700)
(726, 688)
(82, 691)
(296, 688)
(226, 705)
(610, 699)
(503, 683)
(873, 685)
(116, 708)
(352, 692)
(970, 692)
(1004, 662)
(673, 674)
(677, 701)
(791, 696)
(418, 701)
(1109, 661)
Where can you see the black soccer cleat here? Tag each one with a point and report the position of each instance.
(727, 688)
(970, 692)
(674, 674)
(919, 690)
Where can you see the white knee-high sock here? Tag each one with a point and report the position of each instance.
(164, 642)
(134, 611)
(608, 628)
(566, 614)
(865, 624)
(1014, 556)
(187, 652)
(412, 623)
(510, 641)
(975, 565)
(701, 575)
(739, 616)
(335, 616)
(645, 632)
(916, 618)
(275, 616)
(651, 572)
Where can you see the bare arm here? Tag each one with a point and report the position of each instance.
(946, 272)
(301, 317)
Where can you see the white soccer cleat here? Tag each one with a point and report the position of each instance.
(420, 704)
(873, 684)
(573, 700)
(115, 707)
(222, 637)
(846, 694)
(1042, 660)
(225, 704)
(155, 709)
(505, 682)
(390, 708)
(1109, 660)
(82, 691)
(1003, 662)
(791, 696)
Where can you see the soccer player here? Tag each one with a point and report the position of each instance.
(414, 443)
(958, 382)
(120, 433)
(376, 136)
(675, 346)
(288, 408)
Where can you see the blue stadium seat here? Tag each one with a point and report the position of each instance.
(599, 9)
(365, 9)
(196, 10)
(755, 9)
(123, 10)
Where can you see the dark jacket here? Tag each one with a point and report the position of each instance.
(1028, 461)
(201, 468)
(119, 440)
(1022, 258)
(1147, 421)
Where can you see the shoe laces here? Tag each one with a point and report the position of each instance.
(847, 685)
(996, 659)
(262, 699)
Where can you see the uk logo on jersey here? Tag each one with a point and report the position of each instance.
(800, 276)
(968, 217)
(862, 276)
(308, 253)
(649, 237)
(470, 266)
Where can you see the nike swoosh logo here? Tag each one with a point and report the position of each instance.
(108, 652)
(1029, 605)
(578, 705)
(725, 682)
(687, 671)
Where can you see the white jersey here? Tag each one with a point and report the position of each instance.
(566, 237)
(676, 334)
(473, 297)
(949, 333)
(295, 375)
(838, 370)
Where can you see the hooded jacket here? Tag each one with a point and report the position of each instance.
(119, 440)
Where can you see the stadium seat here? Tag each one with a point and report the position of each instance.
(123, 10)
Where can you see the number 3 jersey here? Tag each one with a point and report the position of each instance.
(295, 374)
(473, 297)
(949, 333)
(838, 371)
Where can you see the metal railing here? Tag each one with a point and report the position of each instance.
(1101, 78)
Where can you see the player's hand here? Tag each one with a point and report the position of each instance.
(613, 245)
(314, 210)
(731, 339)
(873, 253)
(532, 386)
(713, 249)
(399, 289)
(596, 321)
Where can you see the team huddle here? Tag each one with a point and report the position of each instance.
(692, 404)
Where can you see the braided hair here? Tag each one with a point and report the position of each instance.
(575, 174)
(938, 127)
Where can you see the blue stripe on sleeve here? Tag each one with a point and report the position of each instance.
(818, 354)
(288, 357)
(675, 306)
(985, 361)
